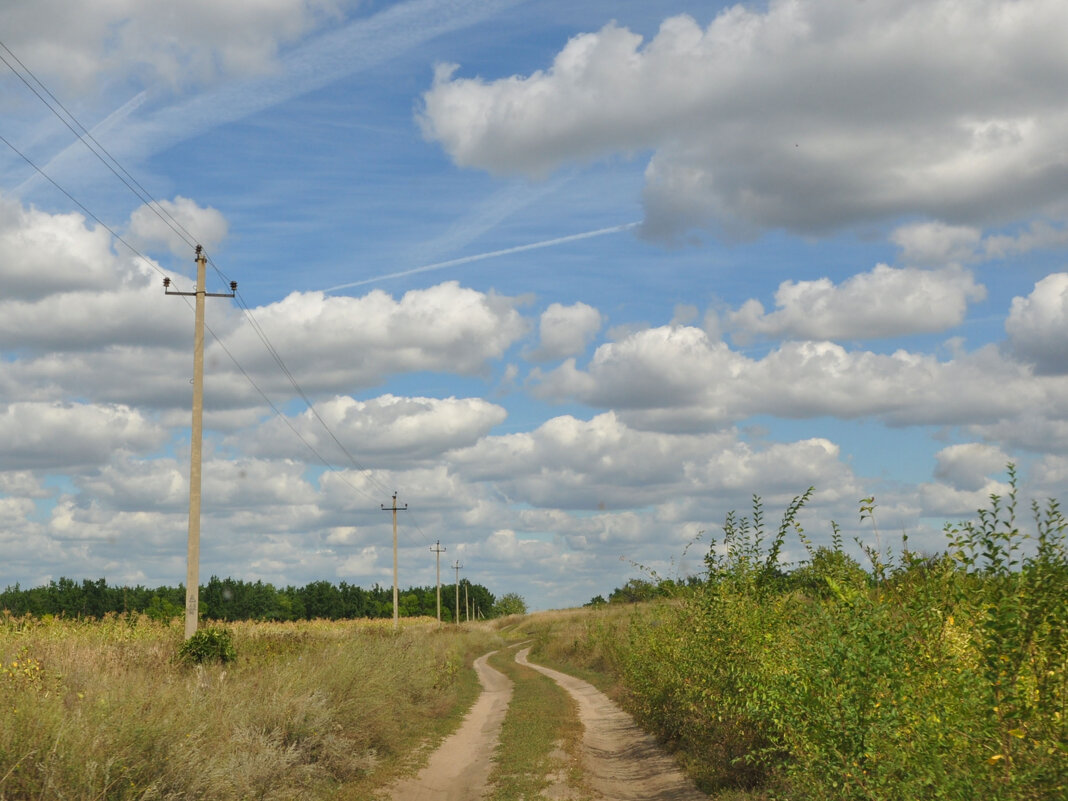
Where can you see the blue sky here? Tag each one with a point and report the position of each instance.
(734, 250)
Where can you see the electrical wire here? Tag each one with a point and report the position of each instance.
(254, 324)
(97, 149)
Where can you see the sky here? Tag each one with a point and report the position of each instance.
(574, 280)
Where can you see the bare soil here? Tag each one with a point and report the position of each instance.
(622, 762)
(458, 770)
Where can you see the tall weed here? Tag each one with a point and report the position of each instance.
(935, 677)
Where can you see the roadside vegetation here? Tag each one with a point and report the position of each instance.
(935, 677)
(107, 709)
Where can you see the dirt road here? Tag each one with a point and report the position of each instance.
(620, 761)
(458, 770)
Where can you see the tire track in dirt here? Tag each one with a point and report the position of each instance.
(458, 770)
(622, 762)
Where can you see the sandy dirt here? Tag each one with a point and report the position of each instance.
(458, 770)
(622, 762)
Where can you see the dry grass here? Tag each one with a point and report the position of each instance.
(101, 709)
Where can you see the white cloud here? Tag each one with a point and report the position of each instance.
(1035, 432)
(602, 463)
(1038, 325)
(81, 43)
(566, 331)
(54, 435)
(679, 379)
(155, 225)
(41, 253)
(940, 500)
(806, 116)
(969, 466)
(387, 429)
(79, 317)
(885, 302)
(342, 343)
(935, 244)
(23, 483)
(1038, 235)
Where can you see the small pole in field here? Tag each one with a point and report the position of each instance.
(438, 550)
(196, 436)
(394, 508)
(457, 567)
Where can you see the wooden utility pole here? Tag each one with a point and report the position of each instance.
(394, 508)
(467, 600)
(438, 550)
(457, 567)
(192, 573)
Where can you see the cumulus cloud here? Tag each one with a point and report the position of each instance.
(1038, 325)
(64, 288)
(41, 253)
(80, 317)
(54, 435)
(969, 466)
(80, 44)
(935, 244)
(679, 379)
(155, 225)
(603, 463)
(565, 331)
(387, 429)
(885, 302)
(1038, 235)
(342, 343)
(806, 116)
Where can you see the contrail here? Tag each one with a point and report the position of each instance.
(493, 253)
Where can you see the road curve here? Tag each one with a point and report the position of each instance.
(458, 770)
(622, 762)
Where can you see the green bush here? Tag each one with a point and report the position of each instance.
(209, 644)
(935, 677)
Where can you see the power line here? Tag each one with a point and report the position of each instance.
(145, 197)
(97, 149)
(208, 328)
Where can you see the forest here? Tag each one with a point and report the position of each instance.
(232, 599)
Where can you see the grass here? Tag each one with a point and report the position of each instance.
(540, 739)
(104, 710)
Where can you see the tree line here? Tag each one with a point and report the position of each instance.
(232, 599)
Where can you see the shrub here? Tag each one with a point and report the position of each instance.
(210, 644)
(935, 677)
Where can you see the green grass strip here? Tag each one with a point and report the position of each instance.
(540, 736)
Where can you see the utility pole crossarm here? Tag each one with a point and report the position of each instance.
(396, 605)
(198, 289)
(192, 576)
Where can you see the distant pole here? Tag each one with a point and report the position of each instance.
(438, 550)
(457, 567)
(394, 508)
(192, 572)
(467, 600)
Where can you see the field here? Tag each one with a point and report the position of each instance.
(103, 709)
